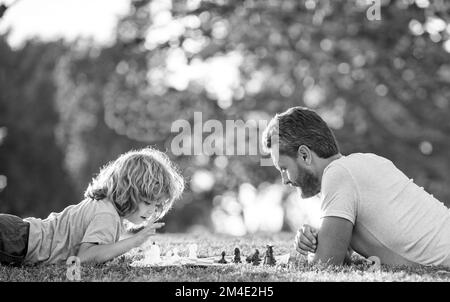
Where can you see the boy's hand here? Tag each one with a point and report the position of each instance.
(147, 231)
(306, 240)
(99, 253)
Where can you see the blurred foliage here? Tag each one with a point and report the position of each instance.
(383, 86)
(31, 162)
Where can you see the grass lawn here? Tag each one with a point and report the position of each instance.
(212, 245)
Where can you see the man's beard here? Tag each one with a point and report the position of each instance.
(308, 183)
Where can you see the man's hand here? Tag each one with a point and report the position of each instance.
(147, 231)
(306, 240)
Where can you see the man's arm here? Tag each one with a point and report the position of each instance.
(334, 239)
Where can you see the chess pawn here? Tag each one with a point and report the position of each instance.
(310, 257)
(255, 258)
(237, 256)
(169, 254)
(222, 260)
(175, 255)
(146, 245)
(193, 251)
(154, 254)
(268, 258)
(249, 259)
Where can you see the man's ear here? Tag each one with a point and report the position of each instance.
(304, 153)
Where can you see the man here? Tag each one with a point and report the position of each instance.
(368, 205)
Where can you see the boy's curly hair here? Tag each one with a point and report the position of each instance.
(145, 175)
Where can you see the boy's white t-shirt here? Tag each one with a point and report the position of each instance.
(59, 236)
(393, 218)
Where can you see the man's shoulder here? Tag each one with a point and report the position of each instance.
(336, 175)
(353, 167)
(361, 157)
(364, 170)
(355, 161)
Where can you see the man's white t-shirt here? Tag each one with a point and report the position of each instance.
(393, 218)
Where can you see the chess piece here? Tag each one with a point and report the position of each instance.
(175, 255)
(222, 260)
(237, 256)
(310, 257)
(268, 258)
(157, 249)
(193, 251)
(254, 258)
(169, 254)
(153, 255)
(249, 259)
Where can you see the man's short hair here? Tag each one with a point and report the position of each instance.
(300, 126)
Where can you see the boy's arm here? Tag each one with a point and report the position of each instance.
(333, 240)
(99, 253)
(91, 252)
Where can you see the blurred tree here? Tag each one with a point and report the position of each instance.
(31, 162)
(383, 86)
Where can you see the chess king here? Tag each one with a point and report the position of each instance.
(368, 204)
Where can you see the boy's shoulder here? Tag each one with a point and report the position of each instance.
(97, 207)
(85, 209)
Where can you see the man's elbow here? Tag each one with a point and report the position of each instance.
(92, 259)
(328, 260)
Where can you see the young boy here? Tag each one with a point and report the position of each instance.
(140, 186)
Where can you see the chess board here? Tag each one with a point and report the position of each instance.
(200, 262)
